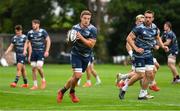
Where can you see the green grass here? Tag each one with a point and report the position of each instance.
(103, 97)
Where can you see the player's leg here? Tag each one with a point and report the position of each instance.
(120, 78)
(72, 81)
(148, 78)
(34, 75)
(153, 85)
(94, 73)
(18, 74)
(41, 72)
(18, 71)
(23, 72)
(76, 76)
(40, 63)
(88, 76)
(34, 70)
(139, 73)
(172, 66)
(25, 85)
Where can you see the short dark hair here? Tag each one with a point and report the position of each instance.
(168, 24)
(149, 11)
(18, 27)
(85, 12)
(36, 21)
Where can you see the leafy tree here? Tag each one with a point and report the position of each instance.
(122, 17)
(14, 12)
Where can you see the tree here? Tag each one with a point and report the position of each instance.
(122, 16)
(14, 12)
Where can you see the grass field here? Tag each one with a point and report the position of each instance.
(103, 97)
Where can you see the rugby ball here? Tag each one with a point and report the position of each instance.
(71, 35)
(3, 62)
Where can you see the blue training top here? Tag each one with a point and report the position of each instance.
(19, 42)
(78, 46)
(37, 39)
(145, 39)
(173, 46)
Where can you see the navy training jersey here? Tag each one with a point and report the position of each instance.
(19, 42)
(173, 46)
(37, 39)
(145, 39)
(78, 46)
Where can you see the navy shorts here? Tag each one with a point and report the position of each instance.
(79, 62)
(20, 58)
(173, 53)
(142, 64)
(37, 56)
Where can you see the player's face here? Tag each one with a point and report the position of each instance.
(139, 21)
(165, 27)
(85, 20)
(18, 32)
(148, 18)
(35, 26)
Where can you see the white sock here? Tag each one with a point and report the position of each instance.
(125, 87)
(142, 93)
(35, 83)
(98, 79)
(79, 82)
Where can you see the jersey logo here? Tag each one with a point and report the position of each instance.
(144, 32)
(39, 34)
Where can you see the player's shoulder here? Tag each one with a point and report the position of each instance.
(171, 33)
(92, 27)
(76, 26)
(154, 26)
(30, 32)
(23, 36)
(14, 37)
(42, 30)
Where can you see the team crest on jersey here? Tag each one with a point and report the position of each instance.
(144, 32)
(39, 34)
(87, 33)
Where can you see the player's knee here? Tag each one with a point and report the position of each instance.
(34, 69)
(77, 75)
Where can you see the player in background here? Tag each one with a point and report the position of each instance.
(18, 42)
(141, 39)
(40, 43)
(80, 54)
(121, 78)
(170, 40)
(90, 70)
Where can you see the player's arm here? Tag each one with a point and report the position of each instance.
(9, 48)
(25, 47)
(130, 39)
(29, 51)
(48, 45)
(88, 42)
(129, 49)
(158, 38)
(167, 43)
